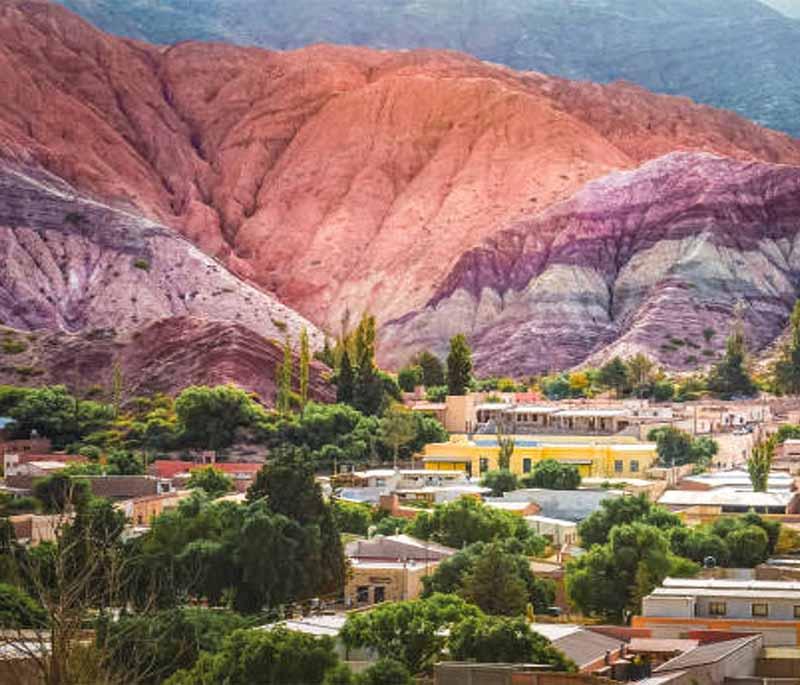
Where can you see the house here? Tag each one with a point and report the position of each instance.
(569, 505)
(390, 568)
(703, 506)
(31, 529)
(735, 478)
(325, 625)
(680, 605)
(179, 472)
(140, 511)
(624, 457)
(591, 651)
(518, 508)
(17, 463)
(558, 531)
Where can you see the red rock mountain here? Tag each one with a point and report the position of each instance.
(341, 179)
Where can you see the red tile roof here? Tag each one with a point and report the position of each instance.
(167, 468)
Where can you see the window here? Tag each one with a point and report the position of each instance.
(484, 465)
(362, 594)
(797, 611)
(526, 465)
(380, 594)
(760, 610)
(634, 465)
(618, 466)
(717, 609)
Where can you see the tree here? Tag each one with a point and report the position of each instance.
(432, 369)
(730, 376)
(305, 363)
(552, 475)
(283, 398)
(639, 371)
(613, 577)
(786, 372)
(410, 631)
(409, 377)
(749, 546)
(210, 417)
(352, 517)
(289, 487)
(386, 672)
(50, 411)
(506, 444)
(616, 511)
(267, 657)
(614, 375)
(492, 639)
(494, 585)
(397, 428)
(117, 388)
(60, 493)
(18, 610)
(150, 647)
(459, 366)
(674, 446)
(214, 481)
(345, 382)
(759, 463)
(124, 463)
(464, 521)
(500, 481)
(450, 576)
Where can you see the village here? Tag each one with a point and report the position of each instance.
(723, 625)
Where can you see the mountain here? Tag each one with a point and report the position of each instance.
(96, 285)
(653, 260)
(346, 179)
(737, 54)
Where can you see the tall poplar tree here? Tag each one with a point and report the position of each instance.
(305, 362)
(787, 367)
(459, 366)
(283, 401)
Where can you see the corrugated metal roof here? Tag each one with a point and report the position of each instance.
(706, 654)
(584, 646)
(731, 584)
(727, 496)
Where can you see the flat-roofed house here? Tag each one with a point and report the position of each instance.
(702, 506)
(681, 605)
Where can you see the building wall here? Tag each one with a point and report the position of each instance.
(741, 663)
(600, 460)
(775, 633)
(398, 583)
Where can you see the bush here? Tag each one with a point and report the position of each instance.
(552, 475)
(13, 346)
(499, 481)
(142, 264)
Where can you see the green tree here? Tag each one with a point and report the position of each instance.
(210, 417)
(640, 373)
(748, 545)
(409, 631)
(552, 475)
(214, 481)
(305, 364)
(759, 463)
(150, 647)
(492, 639)
(464, 521)
(345, 381)
(614, 375)
(730, 376)
(613, 577)
(398, 428)
(432, 369)
(507, 444)
(124, 463)
(409, 377)
(500, 481)
(459, 366)
(494, 585)
(283, 397)
(267, 657)
(786, 371)
(18, 610)
(61, 493)
(386, 672)
(50, 411)
(616, 511)
(675, 447)
(352, 517)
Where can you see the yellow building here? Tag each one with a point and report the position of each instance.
(594, 456)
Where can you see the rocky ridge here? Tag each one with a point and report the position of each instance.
(653, 260)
